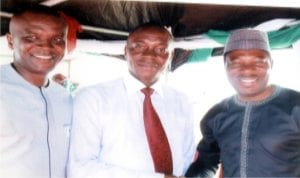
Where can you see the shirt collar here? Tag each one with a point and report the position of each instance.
(133, 85)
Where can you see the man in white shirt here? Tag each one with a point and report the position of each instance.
(108, 135)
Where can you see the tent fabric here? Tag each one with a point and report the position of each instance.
(100, 17)
(108, 21)
(282, 38)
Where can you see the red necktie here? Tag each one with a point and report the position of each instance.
(157, 139)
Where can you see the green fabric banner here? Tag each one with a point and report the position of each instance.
(200, 55)
(282, 38)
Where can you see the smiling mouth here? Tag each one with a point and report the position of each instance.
(144, 65)
(248, 81)
(43, 57)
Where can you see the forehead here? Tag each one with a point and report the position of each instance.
(237, 54)
(32, 19)
(150, 33)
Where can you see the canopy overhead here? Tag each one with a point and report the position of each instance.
(112, 20)
(109, 21)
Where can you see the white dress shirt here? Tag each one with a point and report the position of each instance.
(108, 136)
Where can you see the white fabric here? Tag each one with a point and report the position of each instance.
(23, 127)
(108, 136)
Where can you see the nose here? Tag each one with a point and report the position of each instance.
(149, 52)
(45, 43)
(248, 69)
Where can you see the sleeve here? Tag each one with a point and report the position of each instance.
(190, 145)
(296, 116)
(86, 142)
(207, 161)
(296, 110)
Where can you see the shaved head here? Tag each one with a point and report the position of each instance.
(150, 26)
(39, 11)
(38, 38)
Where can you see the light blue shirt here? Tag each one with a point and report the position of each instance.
(34, 127)
(108, 136)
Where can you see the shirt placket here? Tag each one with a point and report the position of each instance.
(244, 141)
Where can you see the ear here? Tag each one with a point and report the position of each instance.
(271, 63)
(169, 61)
(10, 40)
(171, 55)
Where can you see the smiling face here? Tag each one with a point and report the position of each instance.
(147, 53)
(248, 72)
(38, 42)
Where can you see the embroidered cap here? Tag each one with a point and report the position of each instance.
(247, 39)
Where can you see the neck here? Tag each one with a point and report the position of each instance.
(262, 96)
(38, 80)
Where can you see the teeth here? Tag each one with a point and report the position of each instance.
(43, 56)
(147, 65)
(248, 80)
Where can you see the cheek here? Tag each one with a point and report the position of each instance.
(60, 49)
(263, 74)
(131, 63)
(232, 77)
(22, 49)
(134, 58)
(162, 61)
(231, 73)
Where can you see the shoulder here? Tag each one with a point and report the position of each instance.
(287, 97)
(218, 110)
(59, 93)
(293, 94)
(288, 102)
(57, 88)
(4, 67)
(4, 72)
(174, 93)
(222, 106)
(102, 90)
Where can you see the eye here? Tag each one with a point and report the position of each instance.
(30, 37)
(160, 50)
(138, 47)
(233, 64)
(58, 41)
(261, 62)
